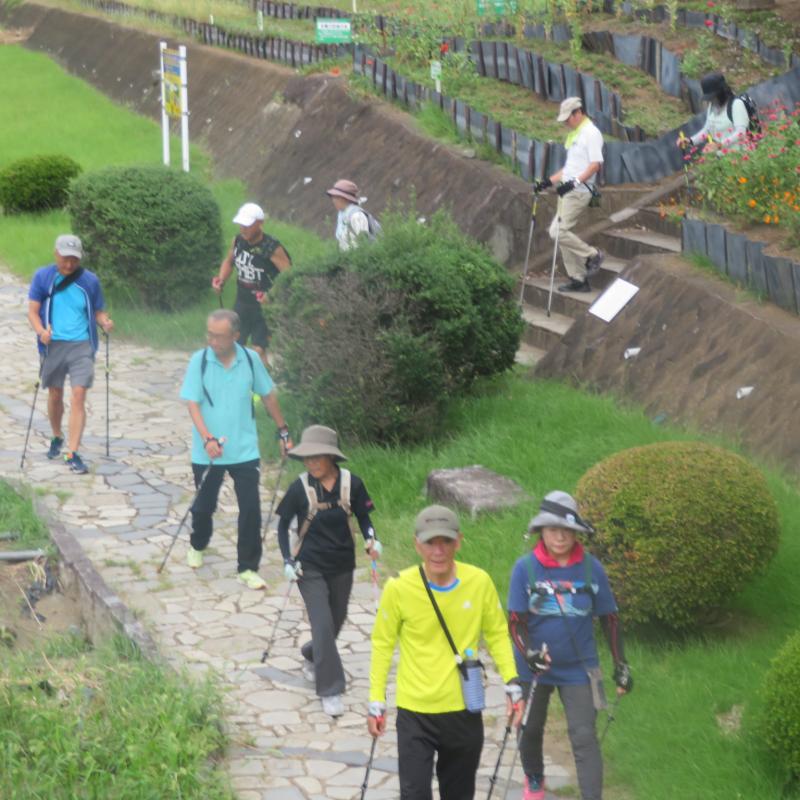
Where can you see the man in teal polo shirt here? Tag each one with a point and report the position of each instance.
(219, 385)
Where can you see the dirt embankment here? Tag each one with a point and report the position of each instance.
(701, 344)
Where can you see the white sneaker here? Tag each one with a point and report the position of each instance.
(333, 706)
(308, 670)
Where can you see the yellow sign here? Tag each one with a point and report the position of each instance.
(172, 83)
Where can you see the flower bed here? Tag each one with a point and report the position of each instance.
(760, 183)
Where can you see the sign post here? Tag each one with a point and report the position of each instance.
(334, 31)
(174, 99)
(436, 75)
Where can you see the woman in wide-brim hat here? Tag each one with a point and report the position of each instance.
(555, 592)
(351, 220)
(321, 558)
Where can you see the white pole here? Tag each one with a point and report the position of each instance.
(184, 110)
(164, 116)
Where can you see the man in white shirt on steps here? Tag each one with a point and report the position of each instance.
(584, 144)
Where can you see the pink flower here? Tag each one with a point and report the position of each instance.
(709, 23)
(745, 158)
(710, 3)
(773, 117)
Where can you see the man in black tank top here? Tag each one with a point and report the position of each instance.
(258, 259)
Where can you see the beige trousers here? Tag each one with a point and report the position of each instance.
(574, 251)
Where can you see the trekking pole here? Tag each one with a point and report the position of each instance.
(684, 143)
(555, 253)
(108, 423)
(30, 419)
(369, 767)
(200, 486)
(375, 589)
(609, 719)
(274, 496)
(530, 243)
(493, 779)
(265, 654)
(524, 722)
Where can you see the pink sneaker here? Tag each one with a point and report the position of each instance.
(534, 790)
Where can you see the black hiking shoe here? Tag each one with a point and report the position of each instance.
(75, 463)
(593, 263)
(576, 286)
(56, 443)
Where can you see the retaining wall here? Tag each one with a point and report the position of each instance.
(745, 262)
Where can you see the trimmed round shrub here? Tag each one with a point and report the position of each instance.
(374, 341)
(780, 721)
(38, 183)
(152, 232)
(681, 528)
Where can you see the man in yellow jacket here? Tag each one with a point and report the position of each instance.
(432, 716)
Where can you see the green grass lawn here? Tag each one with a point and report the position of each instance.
(81, 723)
(17, 516)
(97, 132)
(666, 741)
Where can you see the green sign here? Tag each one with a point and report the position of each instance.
(436, 70)
(497, 8)
(334, 31)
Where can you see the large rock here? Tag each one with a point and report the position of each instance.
(474, 489)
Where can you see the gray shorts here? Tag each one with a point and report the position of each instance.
(73, 358)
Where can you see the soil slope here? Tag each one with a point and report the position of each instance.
(700, 344)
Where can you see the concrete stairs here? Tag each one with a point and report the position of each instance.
(643, 232)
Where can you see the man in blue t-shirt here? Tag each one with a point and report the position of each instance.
(65, 306)
(555, 592)
(219, 385)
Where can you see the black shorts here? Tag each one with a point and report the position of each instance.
(252, 325)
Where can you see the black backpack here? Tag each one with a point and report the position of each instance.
(754, 125)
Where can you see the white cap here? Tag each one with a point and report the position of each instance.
(567, 107)
(248, 214)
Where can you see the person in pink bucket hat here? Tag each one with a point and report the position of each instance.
(352, 220)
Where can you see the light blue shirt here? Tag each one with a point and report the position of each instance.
(231, 390)
(70, 314)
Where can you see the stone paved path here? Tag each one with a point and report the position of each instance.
(123, 513)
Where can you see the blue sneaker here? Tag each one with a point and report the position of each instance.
(56, 443)
(75, 463)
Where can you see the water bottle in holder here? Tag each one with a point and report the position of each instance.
(471, 672)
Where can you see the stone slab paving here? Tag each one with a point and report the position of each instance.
(124, 514)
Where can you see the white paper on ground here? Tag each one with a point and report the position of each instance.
(744, 391)
(613, 300)
(631, 352)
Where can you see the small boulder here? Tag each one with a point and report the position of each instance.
(475, 489)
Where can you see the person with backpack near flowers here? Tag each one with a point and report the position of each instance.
(729, 118)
